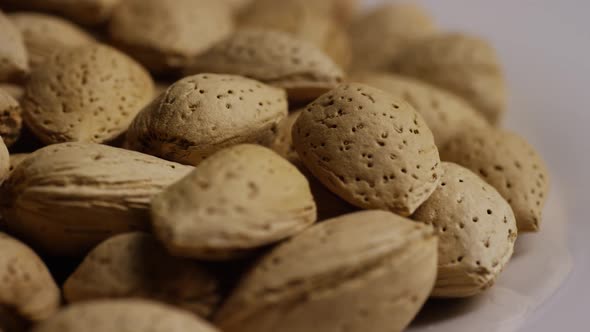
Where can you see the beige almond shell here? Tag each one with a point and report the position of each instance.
(14, 61)
(465, 65)
(508, 163)
(14, 90)
(476, 230)
(16, 159)
(368, 271)
(10, 118)
(45, 34)
(4, 161)
(298, 18)
(135, 265)
(202, 114)
(66, 198)
(274, 58)
(236, 201)
(445, 114)
(165, 35)
(27, 287)
(89, 93)
(372, 149)
(87, 12)
(382, 33)
(123, 316)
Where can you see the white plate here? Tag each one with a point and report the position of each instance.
(545, 47)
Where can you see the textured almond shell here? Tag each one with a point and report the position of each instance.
(511, 165)
(202, 114)
(164, 35)
(135, 265)
(445, 114)
(349, 273)
(372, 149)
(44, 34)
(239, 199)
(89, 93)
(379, 35)
(476, 229)
(14, 62)
(303, 22)
(465, 65)
(66, 198)
(123, 315)
(10, 118)
(27, 287)
(89, 12)
(4, 161)
(275, 58)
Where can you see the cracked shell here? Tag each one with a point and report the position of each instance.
(27, 288)
(372, 149)
(123, 315)
(476, 229)
(66, 198)
(10, 118)
(274, 58)
(465, 65)
(89, 93)
(135, 265)
(14, 62)
(202, 114)
(445, 114)
(349, 273)
(236, 201)
(511, 165)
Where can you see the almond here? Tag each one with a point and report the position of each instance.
(88, 12)
(10, 118)
(66, 198)
(275, 58)
(123, 315)
(372, 149)
(305, 22)
(379, 35)
(164, 35)
(16, 159)
(13, 54)
(89, 93)
(346, 274)
(476, 229)
(463, 64)
(44, 34)
(445, 114)
(511, 165)
(134, 265)
(27, 287)
(202, 114)
(283, 144)
(239, 199)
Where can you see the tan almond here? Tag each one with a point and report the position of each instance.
(89, 93)
(202, 114)
(304, 22)
(10, 118)
(508, 163)
(27, 288)
(66, 198)
(14, 62)
(44, 34)
(445, 114)
(164, 35)
(372, 149)
(4, 161)
(379, 35)
(87, 12)
(476, 229)
(274, 58)
(123, 315)
(349, 273)
(135, 265)
(238, 200)
(465, 65)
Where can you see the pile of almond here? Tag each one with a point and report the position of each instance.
(250, 166)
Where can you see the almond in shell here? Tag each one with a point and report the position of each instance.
(14, 61)
(10, 118)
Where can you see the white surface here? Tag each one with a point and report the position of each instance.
(545, 48)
